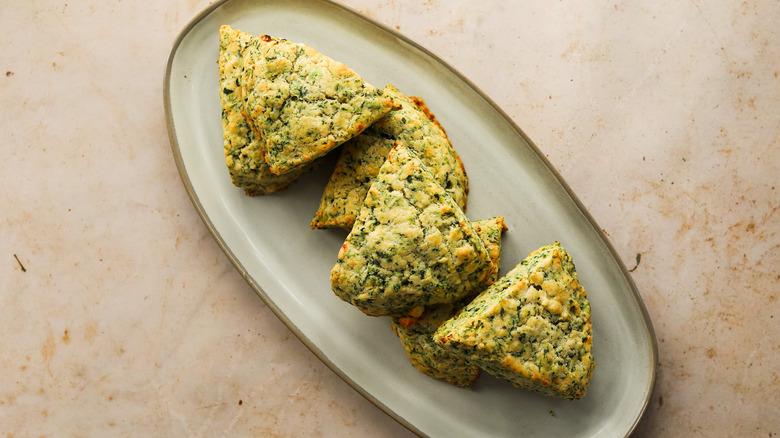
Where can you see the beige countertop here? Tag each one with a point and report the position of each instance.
(122, 317)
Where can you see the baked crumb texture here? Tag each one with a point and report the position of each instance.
(416, 333)
(532, 327)
(301, 103)
(416, 127)
(411, 245)
(244, 154)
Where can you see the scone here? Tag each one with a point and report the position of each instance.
(361, 157)
(425, 355)
(532, 327)
(416, 333)
(410, 246)
(302, 104)
(490, 231)
(244, 155)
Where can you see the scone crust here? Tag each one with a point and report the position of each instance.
(416, 333)
(411, 244)
(532, 327)
(360, 159)
(244, 155)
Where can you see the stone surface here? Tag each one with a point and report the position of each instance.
(121, 315)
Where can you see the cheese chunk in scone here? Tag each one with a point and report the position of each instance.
(302, 103)
(416, 334)
(532, 327)
(244, 155)
(411, 244)
(360, 159)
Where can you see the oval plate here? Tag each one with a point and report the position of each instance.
(269, 241)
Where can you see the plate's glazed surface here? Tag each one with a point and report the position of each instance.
(269, 241)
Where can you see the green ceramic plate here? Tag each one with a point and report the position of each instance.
(269, 241)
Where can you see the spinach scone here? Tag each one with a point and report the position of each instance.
(532, 327)
(416, 334)
(411, 244)
(490, 231)
(302, 103)
(416, 337)
(361, 157)
(244, 155)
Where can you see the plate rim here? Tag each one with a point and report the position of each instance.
(189, 188)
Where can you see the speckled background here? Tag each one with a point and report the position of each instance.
(121, 316)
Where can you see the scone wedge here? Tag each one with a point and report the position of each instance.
(411, 244)
(302, 104)
(360, 158)
(244, 154)
(416, 333)
(532, 327)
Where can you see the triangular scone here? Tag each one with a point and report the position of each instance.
(302, 103)
(361, 157)
(244, 155)
(416, 334)
(532, 327)
(411, 244)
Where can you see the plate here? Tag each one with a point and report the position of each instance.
(269, 241)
